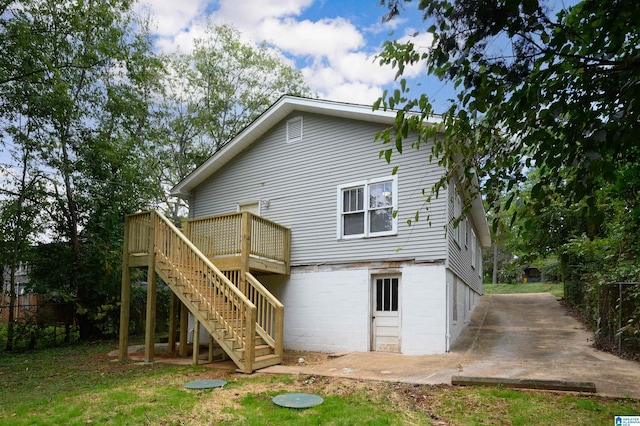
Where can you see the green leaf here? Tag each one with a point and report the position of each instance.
(387, 155)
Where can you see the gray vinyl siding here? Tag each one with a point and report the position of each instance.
(300, 181)
(459, 260)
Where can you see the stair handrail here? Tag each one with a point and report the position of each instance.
(272, 333)
(205, 260)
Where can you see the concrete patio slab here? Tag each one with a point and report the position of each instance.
(528, 336)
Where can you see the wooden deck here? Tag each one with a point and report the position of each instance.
(232, 241)
(208, 268)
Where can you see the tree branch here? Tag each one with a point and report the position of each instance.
(42, 70)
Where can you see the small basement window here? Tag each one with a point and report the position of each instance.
(294, 130)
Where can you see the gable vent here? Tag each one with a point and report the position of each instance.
(294, 129)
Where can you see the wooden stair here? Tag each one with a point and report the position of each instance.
(248, 327)
(214, 320)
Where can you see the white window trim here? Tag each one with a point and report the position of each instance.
(457, 211)
(289, 122)
(480, 262)
(465, 229)
(394, 221)
(474, 249)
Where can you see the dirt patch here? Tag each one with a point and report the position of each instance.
(213, 374)
(307, 358)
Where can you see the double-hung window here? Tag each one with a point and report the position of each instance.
(365, 209)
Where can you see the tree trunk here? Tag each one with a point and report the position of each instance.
(12, 304)
(18, 239)
(80, 287)
(494, 278)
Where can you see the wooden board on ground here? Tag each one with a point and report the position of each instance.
(559, 385)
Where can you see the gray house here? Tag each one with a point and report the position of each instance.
(357, 277)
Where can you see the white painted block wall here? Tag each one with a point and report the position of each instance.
(423, 309)
(328, 309)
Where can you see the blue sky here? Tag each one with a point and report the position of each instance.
(333, 42)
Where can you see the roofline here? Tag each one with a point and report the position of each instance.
(478, 214)
(276, 112)
(480, 219)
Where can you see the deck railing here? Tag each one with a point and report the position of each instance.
(223, 236)
(269, 239)
(217, 235)
(138, 229)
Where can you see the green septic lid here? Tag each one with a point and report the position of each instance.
(297, 400)
(205, 384)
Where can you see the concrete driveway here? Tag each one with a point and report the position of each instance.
(527, 336)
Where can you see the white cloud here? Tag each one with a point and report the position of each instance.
(358, 66)
(421, 40)
(248, 13)
(169, 19)
(388, 26)
(357, 93)
(327, 37)
(183, 41)
(362, 84)
(333, 53)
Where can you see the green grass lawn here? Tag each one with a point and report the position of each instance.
(557, 289)
(80, 385)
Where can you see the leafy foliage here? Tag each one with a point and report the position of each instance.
(211, 94)
(546, 116)
(532, 89)
(100, 127)
(76, 80)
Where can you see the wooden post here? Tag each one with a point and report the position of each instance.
(196, 341)
(245, 250)
(187, 230)
(210, 348)
(173, 303)
(287, 251)
(279, 335)
(250, 341)
(125, 296)
(150, 329)
(184, 329)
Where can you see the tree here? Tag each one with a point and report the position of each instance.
(21, 200)
(558, 92)
(89, 107)
(213, 93)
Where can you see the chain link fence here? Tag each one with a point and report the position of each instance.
(39, 325)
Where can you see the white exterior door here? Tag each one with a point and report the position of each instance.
(385, 330)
